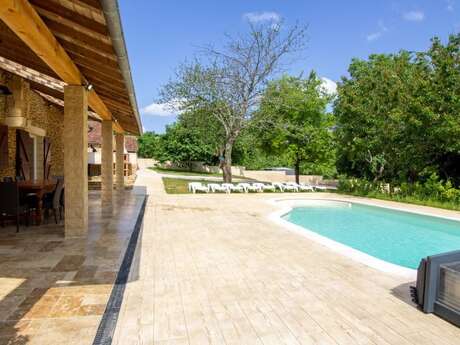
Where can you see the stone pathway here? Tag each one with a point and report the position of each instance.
(212, 269)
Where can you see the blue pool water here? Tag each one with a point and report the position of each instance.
(401, 238)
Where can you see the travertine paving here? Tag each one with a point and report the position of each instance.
(54, 290)
(212, 269)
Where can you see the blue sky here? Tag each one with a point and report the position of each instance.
(161, 34)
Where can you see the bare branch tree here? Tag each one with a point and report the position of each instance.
(229, 82)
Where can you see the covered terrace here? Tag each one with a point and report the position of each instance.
(62, 62)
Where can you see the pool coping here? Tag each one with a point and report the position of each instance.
(287, 204)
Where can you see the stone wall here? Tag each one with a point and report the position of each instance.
(43, 115)
(281, 176)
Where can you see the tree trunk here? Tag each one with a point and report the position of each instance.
(297, 171)
(227, 164)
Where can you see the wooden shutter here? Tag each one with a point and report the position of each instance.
(24, 163)
(46, 157)
(3, 147)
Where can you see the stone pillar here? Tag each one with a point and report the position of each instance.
(75, 137)
(107, 164)
(119, 162)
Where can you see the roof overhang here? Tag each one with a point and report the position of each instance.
(73, 42)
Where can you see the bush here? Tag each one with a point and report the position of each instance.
(433, 191)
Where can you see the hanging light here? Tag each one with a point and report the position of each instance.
(4, 90)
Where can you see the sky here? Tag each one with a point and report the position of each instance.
(161, 34)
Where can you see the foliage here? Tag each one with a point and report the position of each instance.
(183, 145)
(148, 145)
(398, 115)
(228, 84)
(432, 192)
(292, 121)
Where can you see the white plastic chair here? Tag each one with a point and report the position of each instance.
(247, 187)
(233, 188)
(291, 186)
(263, 187)
(197, 187)
(215, 187)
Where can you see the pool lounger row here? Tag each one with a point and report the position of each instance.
(258, 187)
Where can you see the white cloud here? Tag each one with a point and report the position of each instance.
(414, 16)
(376, 35)
(450, 5)
(158, 109)
(373, 36)
(329, 86)
(257, 17)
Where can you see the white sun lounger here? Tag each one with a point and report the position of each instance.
(247, 187)
(306, 187)
(197, 187)
(215, 187)
(291, 186)
(233, 188)
(278, 185)
(263, 187)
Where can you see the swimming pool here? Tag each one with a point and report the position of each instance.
(397, 237)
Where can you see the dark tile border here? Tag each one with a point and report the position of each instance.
(106, 329)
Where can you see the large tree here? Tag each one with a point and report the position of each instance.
(183, 145)
(228, 83)
(149, 145)
(398, 114)
(292, 121)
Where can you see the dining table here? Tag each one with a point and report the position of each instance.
(39, 187)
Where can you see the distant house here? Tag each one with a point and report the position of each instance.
(94, 151)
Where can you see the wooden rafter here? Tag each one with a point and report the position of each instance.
(21, 17)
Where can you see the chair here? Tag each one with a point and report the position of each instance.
(197, 187)
(8, 179)
(247, 187)
(306, 187)
(215, 187)
(291, 186)
(9, 202)
(233, 188)
(263, 187)
(278, 185)
(54, 202)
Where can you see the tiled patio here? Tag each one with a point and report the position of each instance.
(54, 290)
(214, 270)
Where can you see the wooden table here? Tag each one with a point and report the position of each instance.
(40, 188)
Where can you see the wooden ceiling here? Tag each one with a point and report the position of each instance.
(80, 27)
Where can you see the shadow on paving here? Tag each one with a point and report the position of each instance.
(55, 290)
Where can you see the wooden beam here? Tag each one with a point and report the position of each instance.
(66, 13)
(24, 21)
(64, 32)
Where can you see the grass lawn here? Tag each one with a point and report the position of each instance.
(180, 186)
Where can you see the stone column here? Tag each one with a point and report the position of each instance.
(75, 137)
(119, 162)
(107, 164)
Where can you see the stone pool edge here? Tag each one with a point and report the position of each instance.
(335, 246)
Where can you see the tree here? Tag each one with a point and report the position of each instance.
(292, 120)
(229, 83)
(149, 145)
(183, 145)
(398, 115)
